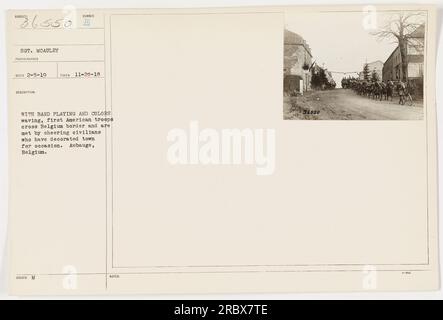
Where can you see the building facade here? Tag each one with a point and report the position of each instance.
(376, 66)
(392, 69)
(297, 61)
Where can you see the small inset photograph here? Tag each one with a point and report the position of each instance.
(354, 65)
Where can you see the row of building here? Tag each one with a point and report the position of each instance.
(299, 67)
(392, 69)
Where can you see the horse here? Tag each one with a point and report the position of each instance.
(389, 90)
(378, 90)
(375, 90)
(382, 90)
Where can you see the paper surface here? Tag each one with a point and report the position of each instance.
(220, 150)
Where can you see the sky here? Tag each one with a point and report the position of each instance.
(339, 39)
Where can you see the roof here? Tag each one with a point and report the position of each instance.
(392, 53)
(292, 38)
(419, 32)
(375, 62)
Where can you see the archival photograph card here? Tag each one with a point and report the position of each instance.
(152, 150)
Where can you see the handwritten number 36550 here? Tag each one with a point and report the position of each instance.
(48, 23)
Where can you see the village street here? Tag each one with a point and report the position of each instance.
(345, 104)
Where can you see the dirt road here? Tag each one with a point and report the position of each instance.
(345, 104)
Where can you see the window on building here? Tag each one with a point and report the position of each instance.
(415, 70)
(415, 47)
(397, 72)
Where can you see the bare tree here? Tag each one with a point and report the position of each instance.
(400, 28)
